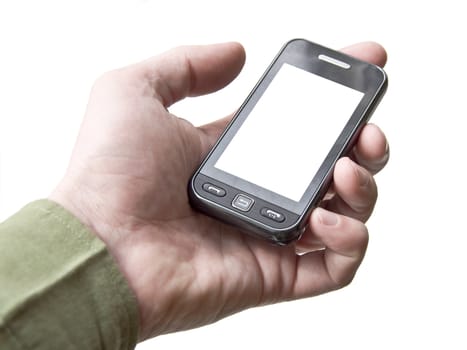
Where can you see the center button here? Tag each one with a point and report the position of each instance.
(242, 202)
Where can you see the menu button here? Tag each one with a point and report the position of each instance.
(242, 202)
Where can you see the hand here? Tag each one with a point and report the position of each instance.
(127, 180)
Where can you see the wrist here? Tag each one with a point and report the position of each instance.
(79, 203)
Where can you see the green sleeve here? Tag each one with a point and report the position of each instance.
(59, 287)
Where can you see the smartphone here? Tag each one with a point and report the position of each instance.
(274, 162)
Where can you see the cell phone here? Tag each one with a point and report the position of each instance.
(274, 162)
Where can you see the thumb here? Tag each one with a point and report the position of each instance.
(192, 70)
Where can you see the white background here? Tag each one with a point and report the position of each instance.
(410, 292)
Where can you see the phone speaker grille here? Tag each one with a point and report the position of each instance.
(334, 61)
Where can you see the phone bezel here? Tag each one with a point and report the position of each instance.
(362, 76)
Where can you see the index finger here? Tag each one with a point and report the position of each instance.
(192, 70)
(368, 51)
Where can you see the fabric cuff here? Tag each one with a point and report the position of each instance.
(59, 286)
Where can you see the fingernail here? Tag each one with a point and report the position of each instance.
(386, 154)
(327, 218)
(362, 175)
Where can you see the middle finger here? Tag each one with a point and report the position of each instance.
(355, 191)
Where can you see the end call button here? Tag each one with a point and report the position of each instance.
(272, 214)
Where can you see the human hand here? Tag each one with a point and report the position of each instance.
(127, 180)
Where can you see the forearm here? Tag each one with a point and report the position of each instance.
(59, 287)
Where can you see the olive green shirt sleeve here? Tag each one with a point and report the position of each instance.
(59, 286)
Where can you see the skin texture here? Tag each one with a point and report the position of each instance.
(127, 180)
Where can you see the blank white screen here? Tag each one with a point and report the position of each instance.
(289, 132)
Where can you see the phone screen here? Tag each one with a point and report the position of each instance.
(290, 130)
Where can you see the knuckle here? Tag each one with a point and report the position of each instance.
(354, 253)
(345, 280)
(108, 77)
(119, 83)
(121, 77)
(363, 238)
(105, 81)
(359, 240)
(365, 202)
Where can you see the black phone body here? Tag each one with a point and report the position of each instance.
(274, 162)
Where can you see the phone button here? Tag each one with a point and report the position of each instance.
(215, 190)
(242, 202)
(272, 214)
